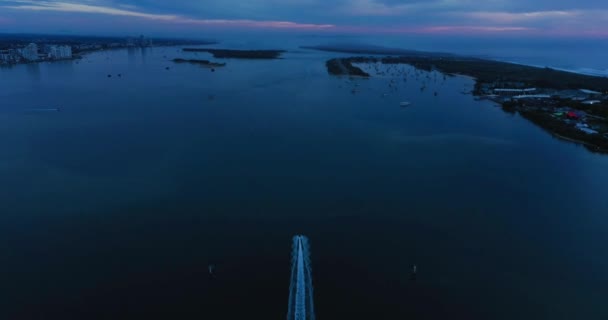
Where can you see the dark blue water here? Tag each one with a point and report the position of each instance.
(113, 207)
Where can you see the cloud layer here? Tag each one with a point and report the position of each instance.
(548, 17)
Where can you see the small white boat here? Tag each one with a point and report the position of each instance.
(43, 110)
(405, 103)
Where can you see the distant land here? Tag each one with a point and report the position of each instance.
(571, 106)
(33, 48)
(375, 50)
(239, 54)
(200, 62)
(344, 66)
(485, 71)
(9, 40)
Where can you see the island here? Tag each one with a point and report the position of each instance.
(570, 106)
(205, 63)
(239, 54)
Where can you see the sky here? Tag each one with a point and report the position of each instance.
(496, 18)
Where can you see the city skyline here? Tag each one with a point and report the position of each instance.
(584, 18)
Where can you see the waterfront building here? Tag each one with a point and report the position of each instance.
(591, 102)
(4, 57)
(512, 92)
(30, 52)
(60, 52)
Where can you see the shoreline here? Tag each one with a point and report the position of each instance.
(559, 136)
(77, 55)
(570, 106)
(384, 51)
(240, 54)
(10, 65)
(203, 63)
(597, 149)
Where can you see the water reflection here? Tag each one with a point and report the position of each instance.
(144, 54)
(131, 56)
(33, 70)
(132, 53)
(61, 68)
(427, 181)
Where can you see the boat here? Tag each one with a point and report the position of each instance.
(43, 110)
(405, 103)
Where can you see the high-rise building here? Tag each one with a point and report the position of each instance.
(60, 52)
(144, 42)
(5, 56)
(65, 52)
(30, 52)
(53, 52)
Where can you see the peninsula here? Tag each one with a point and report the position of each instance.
(340, 66)
(379, 50)
(239, 54)
(205, 63)
(571, 106)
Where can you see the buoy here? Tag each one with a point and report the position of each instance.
(413, 274)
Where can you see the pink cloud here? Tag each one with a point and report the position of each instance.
(254, 23)
(472, 29)
(510, 17)
(589, 23)
(5, 20)
(434, 29)
(591, 33)
(84, 8)
(27, 5)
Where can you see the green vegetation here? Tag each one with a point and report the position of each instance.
(378, 50)
(488, 71)
(598, 109)
(593, 142)
(494, 74)
(239, 54)
(201, 62)
(334, 67)
(341, 66)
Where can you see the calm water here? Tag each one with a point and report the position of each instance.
(114, 207)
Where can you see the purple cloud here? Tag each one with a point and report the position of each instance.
(510, 17)
(549, 17)
(128, 11)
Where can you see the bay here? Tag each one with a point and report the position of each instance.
(115, 205)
